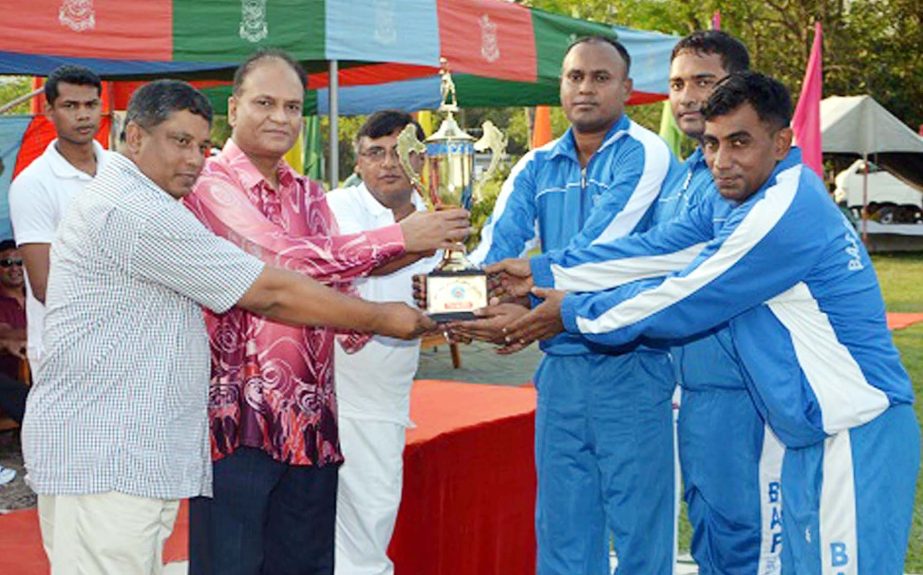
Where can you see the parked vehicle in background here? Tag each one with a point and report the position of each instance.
(890, 200)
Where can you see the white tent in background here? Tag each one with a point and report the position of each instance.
(860, 126)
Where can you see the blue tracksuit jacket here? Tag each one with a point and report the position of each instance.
(790, 275)
(550, 198)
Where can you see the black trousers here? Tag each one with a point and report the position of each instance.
(13, 397)
(266, 518)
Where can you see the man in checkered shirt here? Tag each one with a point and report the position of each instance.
(115, 429)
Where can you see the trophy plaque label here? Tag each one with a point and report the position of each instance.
(455, 295)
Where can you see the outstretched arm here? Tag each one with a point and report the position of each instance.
(662, 250)
(510, 229)
(763, 250)
(286, 296)
(324, 255)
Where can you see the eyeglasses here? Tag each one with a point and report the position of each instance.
(378, 154)
(9, 262)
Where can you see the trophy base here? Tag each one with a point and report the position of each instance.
(454, 295)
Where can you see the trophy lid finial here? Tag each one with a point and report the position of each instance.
(447, 88)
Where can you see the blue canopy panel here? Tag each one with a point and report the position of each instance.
(372, 30)
(12, 129)
(38, 65)
(408, 95)
(650, 57)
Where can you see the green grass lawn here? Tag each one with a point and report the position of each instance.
(910, 342)
(901, 277)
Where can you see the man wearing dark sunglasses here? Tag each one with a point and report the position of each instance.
(12, 327)
(12, 339)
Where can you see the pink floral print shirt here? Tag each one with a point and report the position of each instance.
(272, 383)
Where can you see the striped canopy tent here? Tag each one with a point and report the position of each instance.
(380, 53)
(500, 53)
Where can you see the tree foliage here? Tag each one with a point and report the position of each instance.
(870, 46)
(11, 87)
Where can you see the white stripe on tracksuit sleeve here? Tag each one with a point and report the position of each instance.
(737, 270)
(622, 180)
(662, 250)
(810, 329)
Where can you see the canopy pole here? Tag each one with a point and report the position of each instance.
(865, 199)
(20, 99)
(334, 112)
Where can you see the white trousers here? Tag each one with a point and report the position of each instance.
(105, 533)
(368, 496)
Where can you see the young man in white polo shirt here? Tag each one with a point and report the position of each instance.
(373, 384)
(39, 196)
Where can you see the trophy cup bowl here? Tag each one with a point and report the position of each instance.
(456, 287)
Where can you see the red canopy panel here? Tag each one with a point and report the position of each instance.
(372, 74)
(120, 30)
(488, 38)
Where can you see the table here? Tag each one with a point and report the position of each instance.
(469, 482)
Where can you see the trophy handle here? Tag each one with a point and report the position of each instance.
(495, 141)
(408, 142)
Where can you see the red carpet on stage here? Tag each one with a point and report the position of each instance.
(21, 544)
(903, 320)
(469, 489)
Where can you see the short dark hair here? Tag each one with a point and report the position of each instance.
(70, 74)
(619, 47)
(153, 103)
(734, 55)
(385, 122)
(262, 54)
(769, 97)
(7, 244)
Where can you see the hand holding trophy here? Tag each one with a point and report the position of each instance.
(455, 288)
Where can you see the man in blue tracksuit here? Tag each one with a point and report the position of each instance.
(604, 441)
(731, 465)
(777, 260)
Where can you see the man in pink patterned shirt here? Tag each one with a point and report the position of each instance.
(272, 405)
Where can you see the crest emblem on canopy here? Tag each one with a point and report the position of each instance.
(78, 15)
(253, 25)
(490, 49)
(385, 27)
